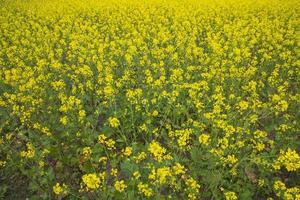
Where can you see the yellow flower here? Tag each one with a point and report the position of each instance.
(243, 105)
(101, 139)
(230, 160)
(113, 122)
(127, 151)
(58, 189)
(91, 181)
(157, 151)
(290, 159)
(120, 186)
(64, 120)
(110, 144)
(259, 146)
(178, 169)
(81, 115)
(103, 159)
(141, 156)
(41, 164)
(136, 175)
(204, 139)
(183, 137)
(192, 184)
(282, 105)
(145, 189)
(58, 85)
(154, 113)
(261, 182)
(163, 173)
(278, 185)
(29, 153)
(2, 163)
(133, 95)
(108, 91)
(114, 172)
(192, 187)
(292, 193)
(87, 151)
(230, 196)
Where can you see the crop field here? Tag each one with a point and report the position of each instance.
(149, 99)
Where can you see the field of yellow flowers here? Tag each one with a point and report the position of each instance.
(149, 99)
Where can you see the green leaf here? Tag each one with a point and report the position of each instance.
(128, 168)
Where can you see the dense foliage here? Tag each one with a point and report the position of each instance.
(151, 99)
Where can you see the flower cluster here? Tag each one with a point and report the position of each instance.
(92, 181)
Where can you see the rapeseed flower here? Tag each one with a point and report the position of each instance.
(120, 186)
(91, 181)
